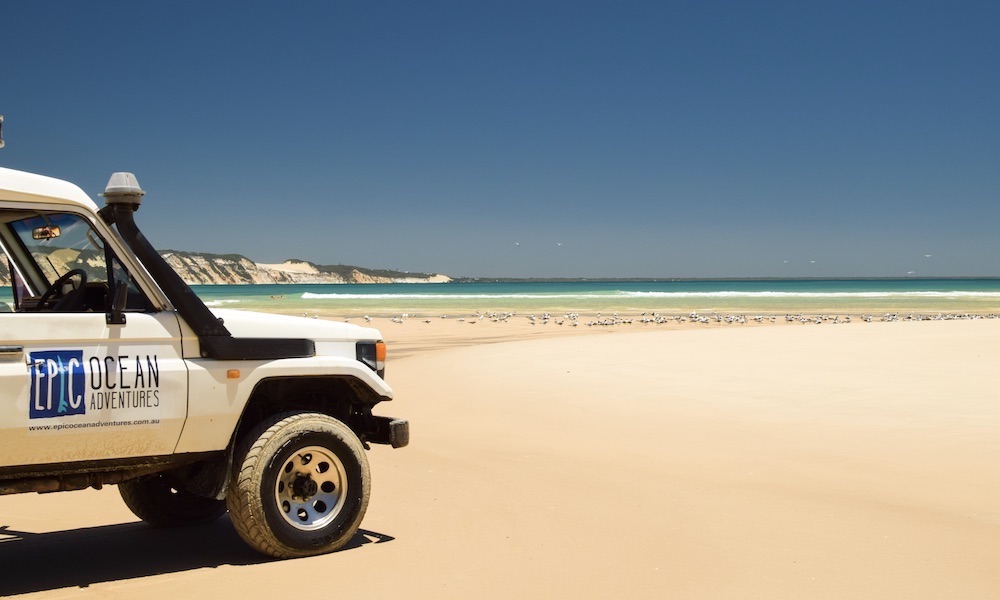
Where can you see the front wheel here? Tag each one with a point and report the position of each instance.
(301, 487)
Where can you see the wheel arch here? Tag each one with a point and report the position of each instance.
(342, 397)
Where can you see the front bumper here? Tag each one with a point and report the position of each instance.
(387, 430)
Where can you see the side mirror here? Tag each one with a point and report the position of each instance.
(117, 314)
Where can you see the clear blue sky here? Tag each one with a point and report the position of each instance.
(649, 139)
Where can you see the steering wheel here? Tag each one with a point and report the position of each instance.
(71, 300)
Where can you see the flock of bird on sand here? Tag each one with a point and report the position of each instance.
(572, 319)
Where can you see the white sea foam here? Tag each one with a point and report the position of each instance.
(773, 294)
(221, 302)
(312, 296)
(663, 295)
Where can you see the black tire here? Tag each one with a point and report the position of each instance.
(301, 486)
(155, 500)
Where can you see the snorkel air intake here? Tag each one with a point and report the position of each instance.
(123, 197)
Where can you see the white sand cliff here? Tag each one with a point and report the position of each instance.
(235, 270)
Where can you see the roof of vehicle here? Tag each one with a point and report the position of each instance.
(19, 186)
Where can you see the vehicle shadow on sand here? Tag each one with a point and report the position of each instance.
(35, 562)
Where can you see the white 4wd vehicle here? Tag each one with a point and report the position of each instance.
(112, 371)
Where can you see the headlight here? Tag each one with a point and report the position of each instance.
(373, 355)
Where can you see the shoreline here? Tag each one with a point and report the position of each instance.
(749, 298)
(409, 334)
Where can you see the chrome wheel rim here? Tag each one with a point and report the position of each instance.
(311, 488)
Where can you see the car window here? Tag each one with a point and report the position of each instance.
(59, 243)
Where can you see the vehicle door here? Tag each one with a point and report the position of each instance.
(73, 386)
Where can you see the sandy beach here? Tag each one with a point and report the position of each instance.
(757, 460)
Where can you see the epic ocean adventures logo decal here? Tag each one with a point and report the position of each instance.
(60, 380)
(58, 383)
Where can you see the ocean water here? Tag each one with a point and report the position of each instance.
(746, 296)
(740, 296)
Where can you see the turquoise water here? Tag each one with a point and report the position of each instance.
(747, 296)
(758, 296)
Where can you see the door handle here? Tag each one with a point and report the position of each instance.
(9, 353)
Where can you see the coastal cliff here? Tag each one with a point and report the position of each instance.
(198, 268)
(234, 269)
